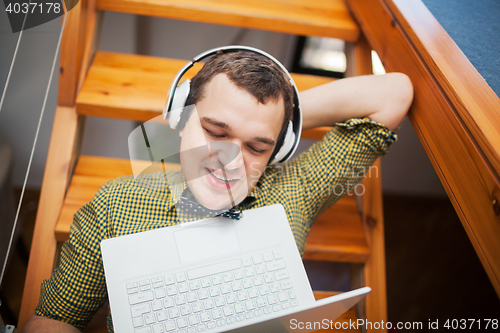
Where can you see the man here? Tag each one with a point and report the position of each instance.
(244, 100)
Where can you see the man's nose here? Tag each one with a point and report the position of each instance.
(230, 156)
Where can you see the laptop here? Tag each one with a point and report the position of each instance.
(216, 275)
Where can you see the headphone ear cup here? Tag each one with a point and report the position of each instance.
(180, 96)
(287, 145)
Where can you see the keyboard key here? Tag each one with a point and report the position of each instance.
(257, 259)
(158, 328)
(131, 285)
(225, 289)
(291, 293)
(283, 296)
(217, 313)
(252, 293)
(228, 311)
(258, 313)
(146, 287)
(206, 282)
(239, 274)
(250, 305)
(183, 287)
(276, 308)
(169, 279)
(268, 277)
(144, 283)
(268, 256)
(171, 290)
(139, 310)
(197, 307)
(249, 271)
(161, 315)
(180, 299)
(280, 275)
(211, 325)
(202, 294)
(220, 301)
(140, 298)
(182, 322)
(237, 285)
(217, 279)
(214, 291)
(257, 280)
(143, 330)
(228, 277)
(191, 330)
(138, 322)
(285, 305)
(205, 316)
(132, 291)
(209, 304)
(275, 287)
(261, 302)
(247, 283)
(180, 276)
(246, 261)
(286, 284)
(242, 295)
(230, 320)
(191, 297)
(157, 305)
(168, 302)
(158, 285)
(194, 319)
(275, 265)
(231, 299)
(240, 317)
(160, 293)
(202, 328)
(150, 318)
(260, 269)
(264, 290)
(221, 322)
(195, 284)
(185, 309)
(294, 302)
(268, 310)
(239, 308)
(272, 299)
(278, 254)
(170, 326)
(174, 313)
(249, 315)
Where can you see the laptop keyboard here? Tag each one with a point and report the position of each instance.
(210, 297)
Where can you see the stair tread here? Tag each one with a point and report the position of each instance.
(302, 17)
(135, 87)
(337, 235)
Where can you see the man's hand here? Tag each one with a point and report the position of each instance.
(385, 99)
(37, 324)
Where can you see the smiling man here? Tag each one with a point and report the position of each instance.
(243, 105)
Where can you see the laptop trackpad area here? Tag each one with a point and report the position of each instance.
(206, 241)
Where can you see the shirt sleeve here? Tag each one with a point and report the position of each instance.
(77, 287)
(332, 167)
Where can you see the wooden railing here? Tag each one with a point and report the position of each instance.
(455, 114)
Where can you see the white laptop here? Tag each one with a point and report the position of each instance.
(215, 275)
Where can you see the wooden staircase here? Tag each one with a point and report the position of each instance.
(133, 87)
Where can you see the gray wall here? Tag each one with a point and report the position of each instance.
(406, 170)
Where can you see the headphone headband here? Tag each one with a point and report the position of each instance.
(291, 139)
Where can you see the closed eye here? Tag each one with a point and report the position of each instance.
(214, 135)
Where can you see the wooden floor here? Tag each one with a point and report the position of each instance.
(432, 270)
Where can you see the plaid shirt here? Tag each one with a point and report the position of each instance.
(305, 186)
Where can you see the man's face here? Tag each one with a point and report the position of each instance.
(241, 134)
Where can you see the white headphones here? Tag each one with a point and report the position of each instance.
(178, 95)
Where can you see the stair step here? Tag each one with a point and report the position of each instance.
(337, 235)
(301, 17)
(135, 87)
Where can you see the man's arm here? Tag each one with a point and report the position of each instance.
(385, 99)
(37, 324)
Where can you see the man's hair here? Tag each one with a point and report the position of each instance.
(256, 73)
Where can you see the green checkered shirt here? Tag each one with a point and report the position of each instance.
(305, 186)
